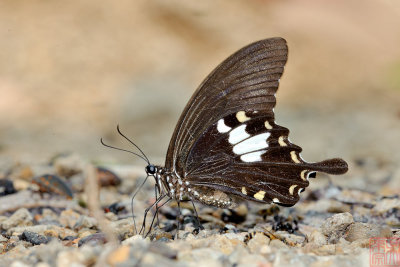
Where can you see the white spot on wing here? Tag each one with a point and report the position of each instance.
(241, 116)
(259, 195)
(302, 175)
(244, 191)
(267, 125)
(294, 157)
(252, 144)
(222, 127)
(281, 141)
(252, 157)
(275, 200)
(291, 189)
(238, 134)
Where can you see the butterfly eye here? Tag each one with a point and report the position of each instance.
(150, 169)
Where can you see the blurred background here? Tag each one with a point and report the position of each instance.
(70, 71)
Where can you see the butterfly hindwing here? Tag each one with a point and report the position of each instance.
(248, 155)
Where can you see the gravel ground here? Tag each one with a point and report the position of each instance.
(43, 226)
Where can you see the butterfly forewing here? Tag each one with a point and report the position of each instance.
(247, 80)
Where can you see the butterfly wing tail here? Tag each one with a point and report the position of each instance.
(331, 166)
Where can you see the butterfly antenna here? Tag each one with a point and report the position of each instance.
(117, 148)
(130, 141)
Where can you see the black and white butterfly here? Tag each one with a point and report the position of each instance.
(227, 147)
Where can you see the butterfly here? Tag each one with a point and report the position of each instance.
(226, 146)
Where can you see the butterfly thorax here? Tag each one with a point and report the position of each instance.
(181, 189)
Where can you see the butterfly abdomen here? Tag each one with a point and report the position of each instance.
(180, 189)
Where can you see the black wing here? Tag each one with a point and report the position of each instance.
(226, 138)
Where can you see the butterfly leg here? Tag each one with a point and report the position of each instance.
(156, 215)
(178, 218)
(198, 226)
(143, 228)
(156, 194)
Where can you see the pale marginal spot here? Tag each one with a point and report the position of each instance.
(222, 127)
(294, 157)
(275, 200)
(259, 195)
(244, 191)
(238, 134)
(187, 183)
(252, 157)
(267, 125)
(252, 144)
(281, 142)
(302, 175)
(291, 189)
(241, 116)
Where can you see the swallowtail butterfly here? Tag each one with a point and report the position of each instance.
(227, 147)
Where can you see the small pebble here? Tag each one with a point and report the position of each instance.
(276, 243)
(68, 165)
(335, 226)
(85, 222)
(3, 239)
(360, 230)
(317, 238)
(384, 205)
(21, 217)
(69, 218)
(258, 242)
(94, 239)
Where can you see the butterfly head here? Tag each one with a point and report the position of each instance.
(151, 169)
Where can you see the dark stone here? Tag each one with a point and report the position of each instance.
(232, 216)
(169, 213)
(169, 227)
(107, 177)
(115, 208)
(6, 187)
(34, 238)
(69, 238)
(98, 238)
